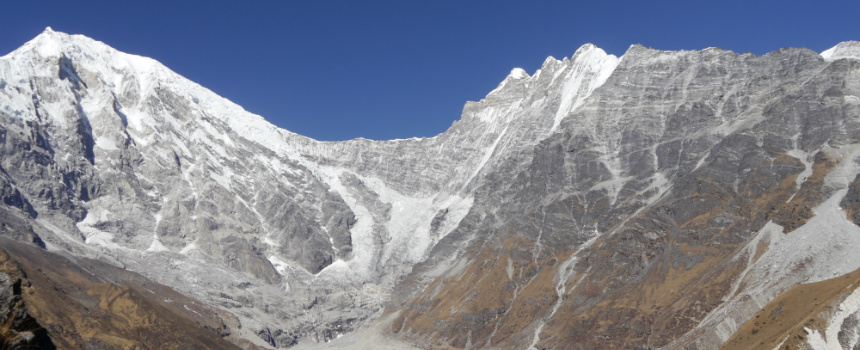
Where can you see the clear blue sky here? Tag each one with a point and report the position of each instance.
(335, 70)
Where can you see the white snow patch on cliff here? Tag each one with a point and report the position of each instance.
(360, 267)
(156, 245)
(845, 49)
(106, 144)
(408, 229)
(94, 236)
(487, 154)
(830, 339)
(590, 68)
(411, 217)
(518, 73)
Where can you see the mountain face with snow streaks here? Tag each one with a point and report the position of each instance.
(653, 200)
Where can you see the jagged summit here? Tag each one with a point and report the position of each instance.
(518, 73)
(51, 43)
(586, 47)
(50, 32)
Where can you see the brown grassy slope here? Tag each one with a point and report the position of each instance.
(109, 309)
(785, 317)
(475, 300)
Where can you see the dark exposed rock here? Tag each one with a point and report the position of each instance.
(18, 330)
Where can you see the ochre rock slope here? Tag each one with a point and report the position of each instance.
(786, 322)
(87, 304)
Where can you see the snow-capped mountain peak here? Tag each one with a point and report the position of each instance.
(518, 73)
(845, 49)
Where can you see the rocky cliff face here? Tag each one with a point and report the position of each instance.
(655, 200)
(686, 193)
(18, 329)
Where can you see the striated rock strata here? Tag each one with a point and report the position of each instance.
(653, 200)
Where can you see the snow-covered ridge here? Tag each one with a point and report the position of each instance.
(98, 57)
(111, 74)
(589, 68)
(592, 66)
(518, 73)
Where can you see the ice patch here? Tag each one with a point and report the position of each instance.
(186, 308)
(408, 228)
(106, 144)
(222, 180)
(94, 236)
(268, 241)
(282, 268)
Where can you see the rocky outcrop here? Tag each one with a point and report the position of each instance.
(80, 303)
(18, 330)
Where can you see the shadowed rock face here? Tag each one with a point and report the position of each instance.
(657, 200)
(18, 330)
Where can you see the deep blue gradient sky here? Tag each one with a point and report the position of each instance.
(336, 70)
